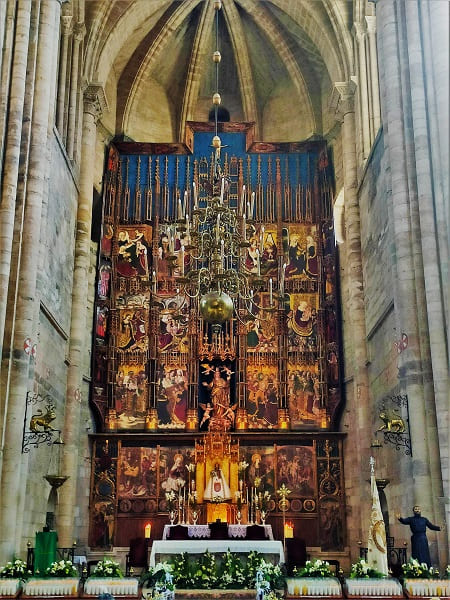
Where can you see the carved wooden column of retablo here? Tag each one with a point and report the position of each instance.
(94, 104)
(12, 481)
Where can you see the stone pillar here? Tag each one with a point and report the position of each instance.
(374, 90)
(94, 104)
(12, 153)
(62, 83)
(360, 38)
(12, 485)
(78, 36)
(415, 369)
(342, 101)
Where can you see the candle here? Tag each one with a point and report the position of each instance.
(283, 274)
(180, 209)
(185, 203)
(147, 530)
(242, 206)
(252, 205)
(222, 189)
(182, 262)
(154, 282)
(288, 530)
(222, 251)
(270, 291)
(218, 228)
(188, 227)
(261, 240)
(195, 195)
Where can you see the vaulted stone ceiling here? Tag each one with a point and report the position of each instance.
(279, 61)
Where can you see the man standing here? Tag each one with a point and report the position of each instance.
(419, 542)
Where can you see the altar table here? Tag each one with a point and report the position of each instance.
(198, 546)
(203, 531)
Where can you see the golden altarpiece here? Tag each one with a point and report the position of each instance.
(217, 415)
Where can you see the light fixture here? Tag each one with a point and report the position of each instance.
(209, 267)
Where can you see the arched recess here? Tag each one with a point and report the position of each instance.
(267, 24)
(162, 39)
(310, 19)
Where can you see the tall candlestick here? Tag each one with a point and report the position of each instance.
(270, 291)
(182, 261)
(252, 205)
(180, 209)
(218, 228)
(242, 206)
(195, 195)
(261, 240)
(185, 203)
(222, 189)
(258, 263)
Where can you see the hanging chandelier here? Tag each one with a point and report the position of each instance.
(211, 263)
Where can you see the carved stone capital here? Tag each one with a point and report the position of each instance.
(342, 98)
(359, 31)
(79, 32)
(95, 102)
(371, 24)
(66, 24)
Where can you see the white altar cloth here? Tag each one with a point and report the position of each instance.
(197, 546)
(203, 531)
(111, 585)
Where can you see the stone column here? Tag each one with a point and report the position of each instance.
(62, 83)
(375, 117)
(12, 153)
(342, 101)
(8, 11)
(12, 485)
(78, 36)
(360, 38)
(94, 104)
(415, 374)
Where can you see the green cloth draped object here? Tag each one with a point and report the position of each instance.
(44, 551)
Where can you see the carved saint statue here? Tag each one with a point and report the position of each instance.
(217, 488)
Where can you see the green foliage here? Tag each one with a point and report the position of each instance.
(413, 569)
(231, 572)
(15, 569)
(107, 568)
(61, 568)
(314, 568)
(361, 570)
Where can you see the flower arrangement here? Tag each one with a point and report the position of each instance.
(413, 569)
(205, 572)
(231, 572)
(61, 568)
(314, 568)
(447, 572)
(171, 500)
(107, 568)
(183, 571)
(361, 570)
(263, 500)
(15, 569)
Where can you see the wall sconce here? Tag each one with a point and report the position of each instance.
(147, 531)
(40, 429)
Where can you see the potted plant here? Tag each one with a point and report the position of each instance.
(421, 580)
(61, 579)
(107, 575)
(314, 579)
(11, 576)
(364, 580)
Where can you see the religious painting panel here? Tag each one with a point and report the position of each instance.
(175, 473)
(296, 469)
(137, 473)
(101, 324)
(173, 319)
(260, 472)
(261, 255)
(132, 334)
(107, 239)
(300, 248)
(131, 395)
(133, 246)
(104, 280)
(173, 258)
(262, 396)
(172, 395)
(261, 331)
(302, 323)
(217, 405)
(103, 494)
(304, 398)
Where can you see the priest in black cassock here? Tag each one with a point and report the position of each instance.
(419, 542)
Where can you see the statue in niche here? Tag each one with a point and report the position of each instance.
(218, 411)
(217, 489)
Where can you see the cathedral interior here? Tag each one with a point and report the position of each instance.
(224, 233)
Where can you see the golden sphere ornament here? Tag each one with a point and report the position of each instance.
(217, 57)
(216, 307)
(217, 4)
(216, 142)
(216, 98)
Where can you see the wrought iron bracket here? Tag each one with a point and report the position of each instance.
(395, 428)
(33, 438)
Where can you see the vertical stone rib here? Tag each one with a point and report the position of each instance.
(12, 487)
(94, 103)
(78, 36)
(12, 153)
(375, 117)
(6, 53)
(360, 38)
(66, 31)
